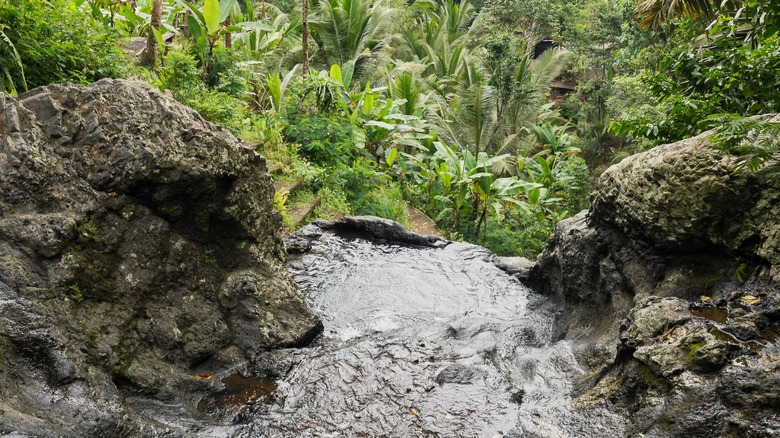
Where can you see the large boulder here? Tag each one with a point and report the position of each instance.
(686, 197)
(139, 250)
(671, 285)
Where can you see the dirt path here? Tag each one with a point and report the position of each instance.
(420, 223)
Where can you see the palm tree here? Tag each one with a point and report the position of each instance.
(531, 82)
(305, 35)
(467, 117)
(475, 117)
(352, 30)
(654, 12)
(150, 54)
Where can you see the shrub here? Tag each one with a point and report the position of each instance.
(181, 76)
(519, 234)
(57, 43)
(384, 201)
(324, 140)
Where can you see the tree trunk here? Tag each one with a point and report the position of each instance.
(228, 36)
(305, 35)
(150, 54)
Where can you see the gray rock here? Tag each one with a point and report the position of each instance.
(520, 267)
(137, 241)
(654, 316)
(457, 373)
(665, 228)
(685, 197)
(379, 229)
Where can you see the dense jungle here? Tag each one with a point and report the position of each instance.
(493, 118)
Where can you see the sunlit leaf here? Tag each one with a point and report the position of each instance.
(391, 156)
(211, 14)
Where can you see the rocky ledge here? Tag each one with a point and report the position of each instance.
(139, 254)
(670, 283)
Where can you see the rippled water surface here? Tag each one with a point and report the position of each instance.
(422, 342)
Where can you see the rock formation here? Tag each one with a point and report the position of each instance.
(139, 247)
(672, 279)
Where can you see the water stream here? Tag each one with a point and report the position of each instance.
(421, 342)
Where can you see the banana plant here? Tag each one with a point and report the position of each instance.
(270, 30)
(554, 140)
(494, 194)
(276, 87)
(549, 178)
(206, 27)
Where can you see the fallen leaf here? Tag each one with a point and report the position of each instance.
(750, 299)
(203, 376)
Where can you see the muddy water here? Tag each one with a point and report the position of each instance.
(422, 342)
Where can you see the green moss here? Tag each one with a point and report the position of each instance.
(86, 232)
(210, 259)
(75, 293)
(692, 349)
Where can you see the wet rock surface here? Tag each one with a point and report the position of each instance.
(669, 285)
(138, 244)
(420, 341)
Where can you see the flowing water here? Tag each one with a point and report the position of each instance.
(420, 342)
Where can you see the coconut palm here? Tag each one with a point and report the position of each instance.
(438, 36)
(476, 118)
(654, 12)
(531, 82)
(305, 35)
(352, 30)
(150, 54)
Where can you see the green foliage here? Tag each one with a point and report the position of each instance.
(333, 203)
(352, 31)
(51, 42)
(727, 69)
(536, 19)
(693, 347)
(655, 12)
(741, 274)
(181, 76)
(324, 140)
(75, 293)
(520, 233)
(385, 201)
(10, 57)
(755, 141)
(86, 231)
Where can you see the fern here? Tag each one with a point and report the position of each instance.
(755, 141)
(8, 84)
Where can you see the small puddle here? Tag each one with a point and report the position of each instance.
(239, 392)
(727, 337)
(243, 391)
(771, 334)
(717, 314)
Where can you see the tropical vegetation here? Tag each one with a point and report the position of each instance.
(491, 116)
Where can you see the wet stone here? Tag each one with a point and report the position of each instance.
(717, 314)
(457, 373)
(421, 341)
